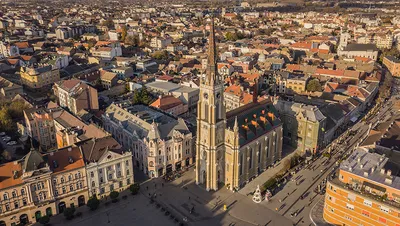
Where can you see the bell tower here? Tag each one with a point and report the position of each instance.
(211, 119)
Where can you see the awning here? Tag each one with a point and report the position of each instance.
(374, 186)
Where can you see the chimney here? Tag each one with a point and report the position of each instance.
(389, 172)
(382, 171)
(69, 149)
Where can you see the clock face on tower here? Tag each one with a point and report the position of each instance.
(205, 96)
(218, 95)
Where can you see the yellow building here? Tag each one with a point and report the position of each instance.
(39, 77)
(392, 64)
(234, 147)
(366, 192)
(39, 185)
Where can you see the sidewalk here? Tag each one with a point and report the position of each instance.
(266, 175)
(316, 213)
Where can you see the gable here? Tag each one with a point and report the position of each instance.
(108, 156)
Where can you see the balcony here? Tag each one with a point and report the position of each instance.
(361, 191)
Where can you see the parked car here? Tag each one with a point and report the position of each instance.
(11, 143)
(2, 133)
(6, 138)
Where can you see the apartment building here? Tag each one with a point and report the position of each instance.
(39, 185)
(366, 192)
(160, 143)
(8, 50)
(160, 43)
(303, 125)
(8, 89)
(359, 50)
(39, 77)
(290, 83)
(40, 126)
(76, 95)
(109, 167)
(392, 64)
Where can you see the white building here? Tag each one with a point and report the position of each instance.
(160, 143)
(108, 166)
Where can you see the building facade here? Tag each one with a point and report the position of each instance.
(76, 95)
(108, 167)
(160, 143)
(303, 125)
(39, 185)
(39, 77)
(366, 192)
(234, 147)
(40, 126)
(392, 64)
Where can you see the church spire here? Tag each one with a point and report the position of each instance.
(211, 73)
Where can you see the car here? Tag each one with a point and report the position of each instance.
(11, 143)
(2, 133)
(6, 138)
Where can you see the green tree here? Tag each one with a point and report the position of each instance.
(314, 86)
(16, 109)
(44, 220)
(93, 203)
(134, 188)
(109, 23)
(124, 33)
(160, 55)
(114, 195)
(132, 40)
(231, 36)
(6, 123)
(69, 213)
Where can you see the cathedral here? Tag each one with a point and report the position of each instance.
(234, 147)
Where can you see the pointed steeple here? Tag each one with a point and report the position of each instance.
(211, 73)
(235, 126)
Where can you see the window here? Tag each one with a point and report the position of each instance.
(367, 203)
(7, 206)
(110, 176)
(64, 189)
(128, 181)
(384, 209)
(62, 180)
(112, 187)
(71, 187)
(349, 206)
(383, 220)
(127, 163)
(24, 203)
(34, 187)
(365, 213)
(22, 191)
(102, 190)
(127, 172)
(119, 165)
(101, 180)
(93, 184)
(16, 204)
(120, 184)
(39, 186)
(69, 177)
(91, 174)
(40, 196)
(55, 181)
(14, 194)
(348, 218)
(56, 192)
(5, 196)
(79, 185)
(241, 165)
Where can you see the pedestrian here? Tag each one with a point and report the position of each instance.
(276, 208)
(189, 197)
(149, 195)
(147, 188)
(155, 186)
(280, 200)
(288, 193)
(162, 184)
